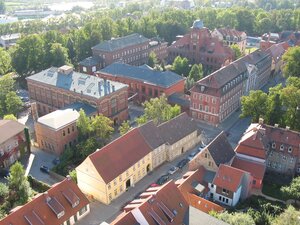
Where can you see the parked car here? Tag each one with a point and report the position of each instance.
(56, 161)
(163, 179)
(4, 173)
(172, 170)
(201, 147)
(191, 156)
(154, 185)
(182, 163)
(44, 169)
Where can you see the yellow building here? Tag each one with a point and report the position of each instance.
(108, 172)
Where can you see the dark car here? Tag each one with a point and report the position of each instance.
(44, 169)
(4, 173)
(56, 161)
(182, 163)
(163, 179)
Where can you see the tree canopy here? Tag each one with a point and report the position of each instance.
(291, 59)
(125, 127)
(158, 110)
(196, 72)
(10, 117)
(289, 217)
(5, 62)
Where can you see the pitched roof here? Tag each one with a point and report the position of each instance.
(76, 82)
(9, 128)
(144, 74)
(121, 42)
(195, 216)
(231, 32)
(90, 61)
(125, 219)
(216, 80)
(60, 197)
(162, 205)
(116, 153)
(177, 128)
(151, 134)
(228, 177)
(256, 169)
(220, 149)
(59, 118)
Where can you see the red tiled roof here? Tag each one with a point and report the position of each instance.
(256, 169)
(228, 177)
(39, 212)
(125, 219)
(251, 151)
(112, 160)
(166, 205)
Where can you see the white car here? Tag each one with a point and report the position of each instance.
(173, 170)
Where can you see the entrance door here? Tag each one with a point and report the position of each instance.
(182, 150)
(128, 184)
(148, 168)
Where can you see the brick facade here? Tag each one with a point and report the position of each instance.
(217, 96)
(198, 46)
(133, 49)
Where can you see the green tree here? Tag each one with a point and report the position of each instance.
(58, 55)
(254, 105)
(274, 106)
(87, 147)
(237, 52)
(293, 81)
(3, 192)
(236, 218)
(19, 187)
(5, 61)
(181, 66)
(290, 97)
(196, 72)
(289, 217)
(152, 60)
(10, 117)
(102, 127)
(13, 103)
(125, 127)
(83, 124)
(73, 175)
(7, 84)
(158, 110)
(29, 55)
(291, 59)
(189, 83)
(293, 190)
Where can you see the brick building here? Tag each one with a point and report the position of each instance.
(133, 49)
(217, 96)
(57, 130)
(56, 88)
(12, 142)
(231, 37)
(144, 82)
(199, 46)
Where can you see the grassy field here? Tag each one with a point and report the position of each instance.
(273, 190)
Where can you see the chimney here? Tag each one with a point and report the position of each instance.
(66, 70)
(261, 121)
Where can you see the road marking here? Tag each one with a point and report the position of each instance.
(30, 161)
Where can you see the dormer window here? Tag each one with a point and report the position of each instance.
(273, 145)
(281, 147)
(290, 149)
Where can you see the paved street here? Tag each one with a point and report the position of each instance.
(100, 212)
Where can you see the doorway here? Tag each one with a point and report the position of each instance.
(148, 168)
(128, 184)
(182, 150)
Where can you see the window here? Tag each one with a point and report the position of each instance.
(290, 149)
(220, 198)
(68, 130)
(115, 182)
(273, 145)
(205, 155)
(281, 147)
(209, 163)
(116, 192)
(84, 69)
(82, 210)
(110, 197)
(254, 181)
(94, 69)
(120, 178)
(109, 186)
(64, 133)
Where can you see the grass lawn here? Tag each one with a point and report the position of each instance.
(273, 190)
(250, 50)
